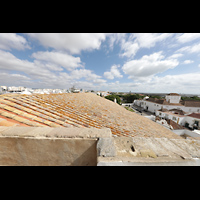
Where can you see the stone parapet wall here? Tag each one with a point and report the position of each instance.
(45, 146)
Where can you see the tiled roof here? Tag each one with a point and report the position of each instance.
(175, 125)
(173, 94)
(163, 102)
(195, 115)
(78, 110)
(191, 103)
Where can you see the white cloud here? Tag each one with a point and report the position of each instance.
(87, 74)
(43, 74)
(72, 42)
(137, 41)
(115, 38)
(58, 59)
(114, 72)
(17, 79)
(188, 62)
(190, 49)
(147, 40)
(10, 41)
(187, 37)
(130, 48)
(8, 62)
(176, 55)
(181, 83)
(149, 65)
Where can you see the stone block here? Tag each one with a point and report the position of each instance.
(106, 147)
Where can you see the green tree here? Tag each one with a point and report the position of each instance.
(112, 97)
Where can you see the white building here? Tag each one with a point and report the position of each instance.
(171, 101)
(4, 88)
(173, 98)
(16, 89)
(188, 120)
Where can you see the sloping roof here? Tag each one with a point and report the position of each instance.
(173, 94)
(191, 103)
(78, 110)
(163, 102)
(179, 111)
(195, 115)
(175, 125)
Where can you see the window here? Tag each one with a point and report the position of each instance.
(197, 123)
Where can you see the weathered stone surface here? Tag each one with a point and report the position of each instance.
(79, 133)
(106, 147)
(56, 132)
(125, 147)
(170, 146)
(142, 143)
(17, 131)
(147, 153)
(188, 146)
(47, 152)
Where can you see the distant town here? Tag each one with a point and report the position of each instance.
(25, 90)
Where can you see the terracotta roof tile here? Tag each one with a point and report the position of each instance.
(79, 110)
(195, 115)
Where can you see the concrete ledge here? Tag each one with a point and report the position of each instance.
(141, 151)
(48, 132)
(146, 162)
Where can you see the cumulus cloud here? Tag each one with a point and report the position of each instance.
(114, 72)
(46, 71)
(8, 62)
(130, 48)
(173, 83)
(72, 42)
(195, 48)
(17, 79)
(137, 41)
(188, 62)
(58, 59)
(187, 37)
(87, 74)
(10, 41)
(167, 84)
(115, 38)
(149, 65)
(147, 40)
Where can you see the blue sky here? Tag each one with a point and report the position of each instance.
(137, 62)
